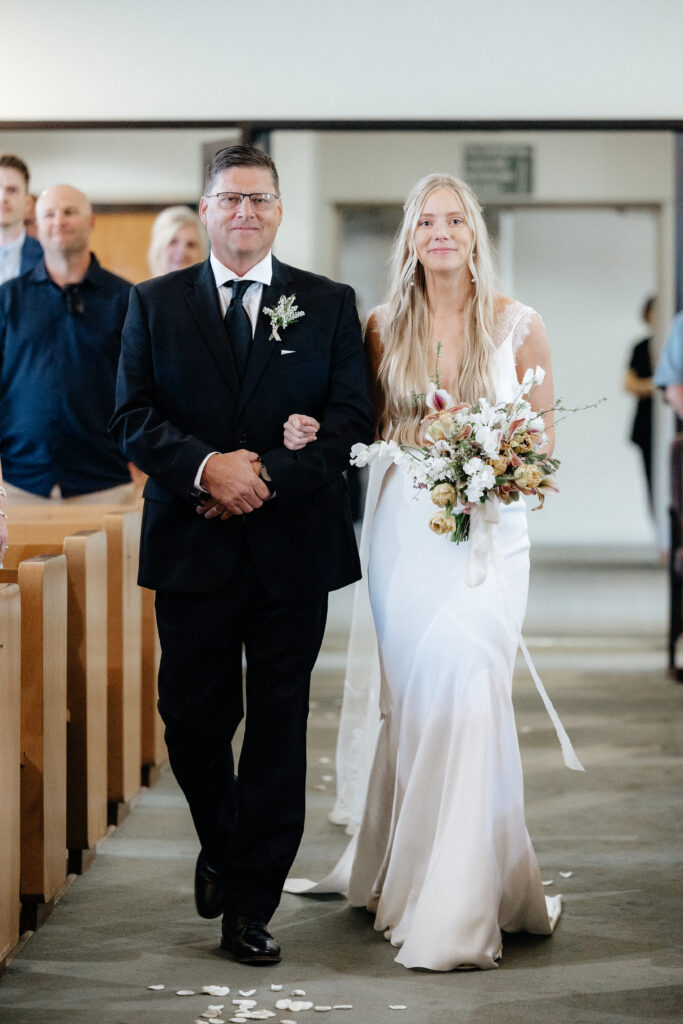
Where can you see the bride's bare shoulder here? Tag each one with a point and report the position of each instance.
(374, 329)
(377, 318)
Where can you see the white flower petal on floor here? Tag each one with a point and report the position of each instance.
(298, 992)
(248, 992)
(566, 874)
(156, 988)
(276, 988)
(216, 990)
(397, 1006)
(322, 1009)
(185, 992)
(548, 881)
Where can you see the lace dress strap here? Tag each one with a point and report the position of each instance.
(514, 322)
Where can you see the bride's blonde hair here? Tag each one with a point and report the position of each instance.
(406, 332)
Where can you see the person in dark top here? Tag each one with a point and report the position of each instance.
(638, 382)
(60, 339)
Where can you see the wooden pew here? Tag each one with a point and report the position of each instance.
(86, 802)
(10, 756)
(43, 590)
(50, 524)
(154, 754)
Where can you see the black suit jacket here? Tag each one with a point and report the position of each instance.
(179, 397)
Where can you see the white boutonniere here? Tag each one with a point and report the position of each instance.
(284, 314)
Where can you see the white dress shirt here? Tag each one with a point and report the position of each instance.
(10, 258)
(260, 274)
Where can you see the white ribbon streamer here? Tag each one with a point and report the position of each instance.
(483, 545)
(568, 752)
(483, 520)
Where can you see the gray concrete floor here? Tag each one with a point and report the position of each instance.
(597, 636)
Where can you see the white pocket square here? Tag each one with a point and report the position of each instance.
(287, 351)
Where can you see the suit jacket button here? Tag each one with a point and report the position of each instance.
(242, 439)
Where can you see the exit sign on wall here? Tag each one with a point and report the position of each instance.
(499, 171)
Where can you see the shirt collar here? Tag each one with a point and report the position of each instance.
(93, 274)
(10, 247)
(262, 272)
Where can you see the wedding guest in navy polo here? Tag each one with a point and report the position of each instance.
(60, 338)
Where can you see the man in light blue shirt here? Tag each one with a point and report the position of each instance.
(18, 251)
(669, 372)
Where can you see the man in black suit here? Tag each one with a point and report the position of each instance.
(18, 251)
(242, 538)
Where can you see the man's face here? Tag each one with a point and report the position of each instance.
(12, 198)
(65, 221)
(240, 238)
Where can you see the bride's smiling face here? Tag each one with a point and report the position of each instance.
(443, 239)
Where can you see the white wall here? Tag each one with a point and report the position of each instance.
(588, 273)
(166, 59)
(160, 166)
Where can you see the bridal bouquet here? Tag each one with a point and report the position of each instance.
(473, 455)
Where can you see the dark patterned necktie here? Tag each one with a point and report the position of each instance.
(239, 325)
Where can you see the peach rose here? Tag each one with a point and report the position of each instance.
(441, 523)
(522, 442)
(444, 494)
(499, 465)
(440, 429)
(528, 477)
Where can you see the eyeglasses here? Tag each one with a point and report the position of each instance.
(233, 200)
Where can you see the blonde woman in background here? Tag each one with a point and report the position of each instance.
(178, 241)
(442, 856)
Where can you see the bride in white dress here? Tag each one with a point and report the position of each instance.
(442, 856)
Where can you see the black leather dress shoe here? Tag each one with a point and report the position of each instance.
(249, 941)
(208, 890)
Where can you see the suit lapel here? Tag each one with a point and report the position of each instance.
(202, 298)
(262, 349)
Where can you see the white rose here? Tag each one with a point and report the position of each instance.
(473, 466)
(360, 455)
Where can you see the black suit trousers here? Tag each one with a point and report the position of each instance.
(251, 828)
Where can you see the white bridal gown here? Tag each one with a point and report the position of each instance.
(442, 856)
